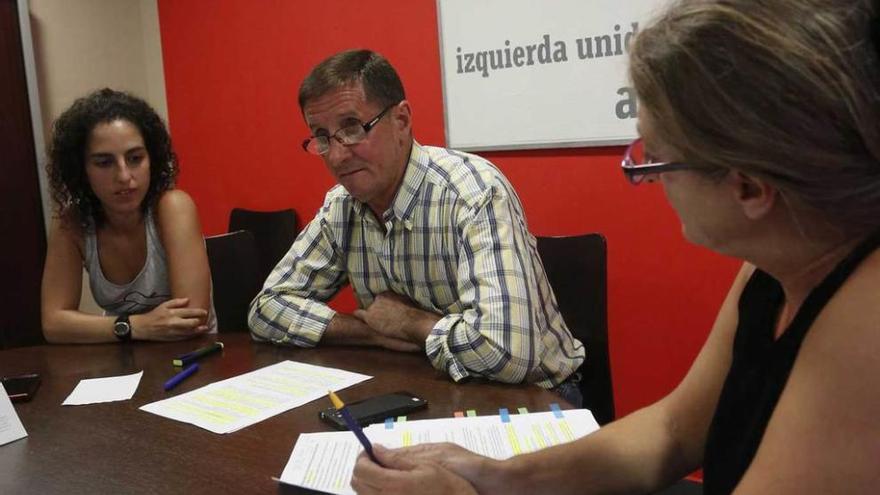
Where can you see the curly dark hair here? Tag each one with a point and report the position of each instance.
(75, 201)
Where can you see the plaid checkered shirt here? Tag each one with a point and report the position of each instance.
(455, 242)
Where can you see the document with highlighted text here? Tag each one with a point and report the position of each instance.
(325, 461)
(241, 401)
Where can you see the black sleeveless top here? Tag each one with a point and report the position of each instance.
(760, 368)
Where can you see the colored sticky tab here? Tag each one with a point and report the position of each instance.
(505, 415)
(401, 419)
(458, 414)
(522, 410)
(556, 410)
(471, 413)
(389, 423)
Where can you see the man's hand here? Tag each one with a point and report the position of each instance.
(396, 317)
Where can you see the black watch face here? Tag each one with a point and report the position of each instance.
(121, 329)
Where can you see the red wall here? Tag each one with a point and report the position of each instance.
(232, 71)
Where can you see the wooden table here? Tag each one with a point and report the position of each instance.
(116, 448)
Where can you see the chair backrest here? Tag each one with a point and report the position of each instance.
(576, 267)
(233, 261)
(274, 232)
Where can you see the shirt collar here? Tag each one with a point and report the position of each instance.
(407, 195)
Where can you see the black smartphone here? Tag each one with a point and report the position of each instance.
(21, 388)
(375, 409)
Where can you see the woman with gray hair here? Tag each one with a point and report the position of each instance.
(761, 119)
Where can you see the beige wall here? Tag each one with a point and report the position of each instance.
(83, 45)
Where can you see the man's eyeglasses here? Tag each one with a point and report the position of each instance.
(346, 136)
(639, 166)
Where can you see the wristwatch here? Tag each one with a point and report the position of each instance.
(122, 328)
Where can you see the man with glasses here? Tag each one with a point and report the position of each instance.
(433, 241)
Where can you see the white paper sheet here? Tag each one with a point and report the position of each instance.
(241, 401)
(109, 389)
(324, 461)
(11, 428)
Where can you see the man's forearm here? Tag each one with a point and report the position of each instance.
(350, 330)
(347, 330)
(420, 324)
(288, 319)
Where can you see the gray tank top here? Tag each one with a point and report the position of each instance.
(147, 290)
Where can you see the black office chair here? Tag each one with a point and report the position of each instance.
(683, 487)
(576, 267)
(233, 261)
(274, 232)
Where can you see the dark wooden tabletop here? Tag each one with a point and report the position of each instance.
(116, 448)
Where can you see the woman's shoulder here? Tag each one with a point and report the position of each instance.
(176, 214)
(854, 311)
(844, 340)
(174, 201)
(840, 354)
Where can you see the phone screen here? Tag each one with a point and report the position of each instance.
(375, 409)
(21, 388)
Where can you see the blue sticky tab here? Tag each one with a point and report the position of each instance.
(505, 416)
(389, 423)
(556, 411)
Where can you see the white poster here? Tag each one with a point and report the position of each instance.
(521, 74)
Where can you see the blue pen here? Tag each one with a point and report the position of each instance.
(353, 426)
(176, 379)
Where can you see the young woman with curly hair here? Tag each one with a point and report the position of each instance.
(111, 174)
